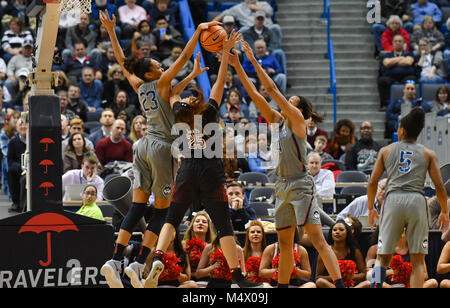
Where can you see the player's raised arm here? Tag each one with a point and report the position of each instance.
(110, 24)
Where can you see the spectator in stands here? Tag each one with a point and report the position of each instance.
(441, 102)
(397, 67)
(234, 99)
(394, 27)
(231, 82)
(143, 34)
(21, 61)
(77, 105)
(340, 238)
(91, 90)
(102, 5)
(136, 131)
(73, 66)
(393, 112)
(18, 89)
(14, 38)
(323, 179)
(240, 213)
(167, 37)
(76, 150)
(87, 174)
(116, 82)
(162, 8)
(259, 158)
(429, 31)
(107, 119)
(313, 131)
(107, 62)
(2, 71)
(88, 206)
(399, 8)
(76, 126)
(320, 145)
(422, 8)
(362, 155)
(254, 113)
(64, 128)
(358, 207)
(16, 180)
(114, 147)
(343, 138)
(63, 102)
(130, 15)
(269, 63)
(184, 72)
(244, 13)
(259, 31)
(63, 81)
(82, 33)
(122, 103)
(430, 66)
(443, 266)
(15, 8)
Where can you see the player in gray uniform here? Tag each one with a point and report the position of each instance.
(296, 201)
(153, 163)
(406, 164)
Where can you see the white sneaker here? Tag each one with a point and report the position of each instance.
(152, 279)
(111, 270)
(134, 271)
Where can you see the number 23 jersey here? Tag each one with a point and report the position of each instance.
(160, 118)
(406, 168)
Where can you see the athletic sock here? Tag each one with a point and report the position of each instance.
(143, 254)
(339, 283)
(378, 277)
(118, 252)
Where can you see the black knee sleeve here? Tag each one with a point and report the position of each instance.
(157, 220)
(135, 213)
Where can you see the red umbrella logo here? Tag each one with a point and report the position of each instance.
(46, 141)
(46, 185)
(46, 163)
(48, 222)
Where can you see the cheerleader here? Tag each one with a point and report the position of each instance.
(255, 243)
(199, 234)
(153, 164)
(301, 272)
(201, 178)
(341, 240)
(443, 266)
(296, 199)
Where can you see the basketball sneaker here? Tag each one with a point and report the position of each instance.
(239, 281)
(135, 272)
(112, 271)
(152, 279)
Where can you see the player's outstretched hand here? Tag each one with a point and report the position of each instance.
(248, 51)
(232, 40)
(197, 71)
(106, 21)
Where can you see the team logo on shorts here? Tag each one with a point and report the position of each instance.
(167, 190)
(425, 243)
(380, 243)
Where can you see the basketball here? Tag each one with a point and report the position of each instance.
(212, 39)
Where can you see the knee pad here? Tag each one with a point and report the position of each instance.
(135, 213)
(157, 220)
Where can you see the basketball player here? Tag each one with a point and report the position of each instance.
(153, 165)
(296, 199)
(406, 164)
(202, 178)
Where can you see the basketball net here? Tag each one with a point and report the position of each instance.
(83, 6)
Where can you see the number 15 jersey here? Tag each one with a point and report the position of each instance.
(160, 118)
(406, 168)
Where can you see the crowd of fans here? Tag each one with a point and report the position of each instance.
(102, 120)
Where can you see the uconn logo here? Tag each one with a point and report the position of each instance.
(374, 11)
